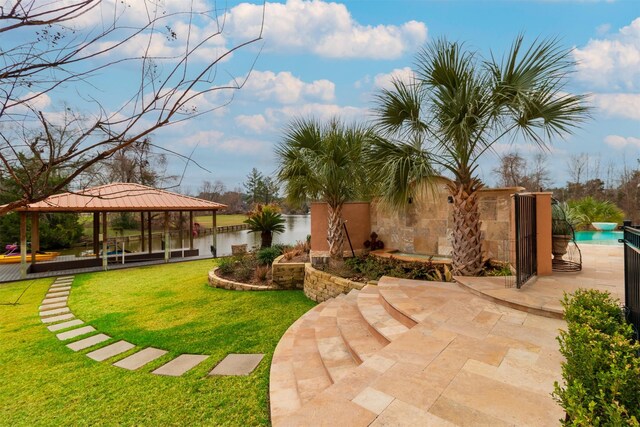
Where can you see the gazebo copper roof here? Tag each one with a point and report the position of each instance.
(120, 197)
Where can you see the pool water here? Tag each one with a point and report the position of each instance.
(599, 237)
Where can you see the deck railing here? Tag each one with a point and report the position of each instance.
(631, 242)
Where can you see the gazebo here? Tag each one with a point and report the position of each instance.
(116, 197)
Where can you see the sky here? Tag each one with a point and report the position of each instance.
(326, 59)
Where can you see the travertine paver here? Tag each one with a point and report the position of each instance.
(53, 305)
(65, 325)
(75, 333)
(56, 299)
(109, 351)
(88, 342)
(59, 288)
(54, 312)
(373, 400)
(54, 319)
(55, 294)
(180, 365)
(237, 364)
(140, 358)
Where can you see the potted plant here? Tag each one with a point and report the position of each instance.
(563, 223)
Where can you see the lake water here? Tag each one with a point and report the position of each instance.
(298, 227)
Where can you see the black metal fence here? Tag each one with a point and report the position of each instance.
(526, 247)
(632, 274)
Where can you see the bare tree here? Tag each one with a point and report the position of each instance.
(514, 171)
(52, 48)
(577, 165)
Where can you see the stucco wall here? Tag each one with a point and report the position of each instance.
(358, 222)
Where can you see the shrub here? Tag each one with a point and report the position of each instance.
(261, 273)
(266, 256)
(226, 265)
(602, 368)
(593, 210)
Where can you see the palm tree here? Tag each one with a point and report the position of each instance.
(324, 162)
(454, 110)
(266, 220)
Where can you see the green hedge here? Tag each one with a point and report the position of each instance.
(602, 368)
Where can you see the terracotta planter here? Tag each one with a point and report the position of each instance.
(559, 243)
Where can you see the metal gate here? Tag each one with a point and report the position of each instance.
(632, 274)
(526, 247)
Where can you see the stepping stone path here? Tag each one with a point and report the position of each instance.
(54, 311)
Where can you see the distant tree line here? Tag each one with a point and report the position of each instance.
(587, 177)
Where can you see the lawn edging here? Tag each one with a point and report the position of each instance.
(218, 282)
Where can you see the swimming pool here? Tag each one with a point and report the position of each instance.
(599, 237)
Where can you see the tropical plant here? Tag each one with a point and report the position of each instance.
(266, 220)
(593, 210)
(565, 219)
(266, 256)
(324, 162)
(454, 110)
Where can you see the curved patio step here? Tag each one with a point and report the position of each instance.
(311, 374)
(374, 312)
(408, 297)
(334, 352)
(361, 339)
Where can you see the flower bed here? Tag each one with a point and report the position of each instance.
(219, 282)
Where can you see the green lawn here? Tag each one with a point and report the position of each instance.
(170, 307)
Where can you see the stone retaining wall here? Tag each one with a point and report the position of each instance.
(287, 275)
(320, 286)
(218, 282)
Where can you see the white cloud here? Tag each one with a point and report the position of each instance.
(317, 111)
(216, 140)
(620, 142)
(614, 62)
(325, 29)
(384, 80)
(603, 29)
(626, 105)
(285, 88)
(255, 123)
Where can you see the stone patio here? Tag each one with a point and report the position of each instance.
(426, 353)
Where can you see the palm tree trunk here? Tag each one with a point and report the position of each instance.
(335, 232)
(266, 237)
(467, 237)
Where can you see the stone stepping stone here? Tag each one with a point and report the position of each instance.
(65, 325)
(55, 319)
(46, 307)
(53, 290)
(109, 351)
(56, 294)
(140, 358)
(54, 312)
(75, 333)
(237, 364)
(56, 299)
(88, 342)
(180, 365)
(65, 277)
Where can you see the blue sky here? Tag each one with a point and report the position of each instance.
(327, 58)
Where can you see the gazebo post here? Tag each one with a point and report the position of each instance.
(149, 232)
(104, 241)
(166, 237)
(142, 247)
(23, 245)
(35, 236)
(181, 234)
(191, 230)
(96, 234)
(214, 234)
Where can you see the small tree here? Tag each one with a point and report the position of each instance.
(324, 162)
(265, 220)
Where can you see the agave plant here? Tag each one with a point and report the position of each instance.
(266, 220)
